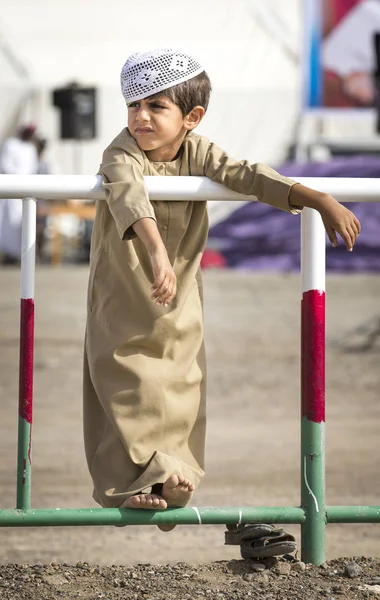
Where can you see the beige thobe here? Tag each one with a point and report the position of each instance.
(144, 365)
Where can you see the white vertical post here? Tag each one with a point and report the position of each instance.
(313, 251)
(24, 446)
(28, 247)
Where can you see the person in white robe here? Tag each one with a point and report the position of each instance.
(18, 156)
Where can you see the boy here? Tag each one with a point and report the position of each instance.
(144, 368)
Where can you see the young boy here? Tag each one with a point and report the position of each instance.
(144, 368)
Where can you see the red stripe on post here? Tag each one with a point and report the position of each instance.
(26, 359)
(313, 356)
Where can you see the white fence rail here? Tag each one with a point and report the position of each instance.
(172, 188)
(52, 187)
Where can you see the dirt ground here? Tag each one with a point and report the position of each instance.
(252, 336)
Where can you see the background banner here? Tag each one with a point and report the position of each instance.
(340, 53)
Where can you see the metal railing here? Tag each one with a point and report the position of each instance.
(312, 514)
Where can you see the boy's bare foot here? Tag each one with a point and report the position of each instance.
(146, 501)
(177, 491)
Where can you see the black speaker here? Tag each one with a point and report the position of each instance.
(78, 112)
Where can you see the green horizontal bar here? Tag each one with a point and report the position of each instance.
(181, 516)
(128, 516)
(353, 514)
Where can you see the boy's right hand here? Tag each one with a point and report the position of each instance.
(164, 287)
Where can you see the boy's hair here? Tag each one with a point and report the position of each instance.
(189, 94)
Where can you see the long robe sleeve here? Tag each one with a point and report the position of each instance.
(258, 180)
(126, 193)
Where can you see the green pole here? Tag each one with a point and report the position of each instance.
(353, 514)
(313, 492)
(184, 516)
(128, 516)
(23, 465)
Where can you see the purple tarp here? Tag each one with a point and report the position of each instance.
(257, 236)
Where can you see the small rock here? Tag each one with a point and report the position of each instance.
(375, 581)
(372, 589)
(258, 567)
(264, 577)
(248, 577)
(324, 566)
(54, 579)
(283, 568)
(298, 567)
(352, 570)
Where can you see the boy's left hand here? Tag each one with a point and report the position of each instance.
(338, 219)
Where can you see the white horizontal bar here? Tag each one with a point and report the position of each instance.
(55, 187)
(358, 144)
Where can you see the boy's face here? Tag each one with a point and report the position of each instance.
(159, 127)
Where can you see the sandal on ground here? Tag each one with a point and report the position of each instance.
(260, 540)
(235, 534)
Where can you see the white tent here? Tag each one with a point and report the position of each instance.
(248, 47)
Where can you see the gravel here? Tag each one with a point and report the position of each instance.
(277, 579)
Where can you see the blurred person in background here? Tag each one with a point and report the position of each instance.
(42, 205)
(348, 52)
(43, 165)
(18, 156)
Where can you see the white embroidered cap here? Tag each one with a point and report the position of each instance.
(147, 73)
